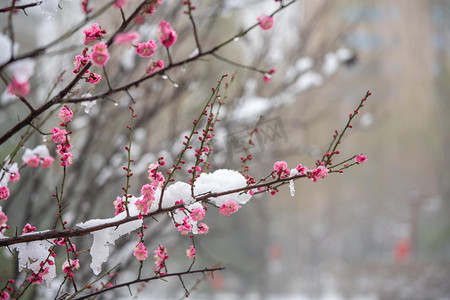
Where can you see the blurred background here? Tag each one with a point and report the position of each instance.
(379, 231)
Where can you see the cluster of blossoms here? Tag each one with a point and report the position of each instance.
(140, 251)
(4, 295)
(69, 266)
(61, 136)
(36, 156)
(160, 259)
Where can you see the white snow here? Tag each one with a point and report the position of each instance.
(102, 239)
(32, 254)
(331, 64)
(220, 181)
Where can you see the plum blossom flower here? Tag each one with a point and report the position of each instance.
(229, 208)
(14, 177)
(126, 38)
(281, 169)
(302, 170)
(318, 173)
(93, 34)
(21, 70)
(59, 135)
(65, 114)
(146, 49)
(4, 192)
(167, 35)
(100, 55)
(38, 278)
(3, 218)
(19, 89)
(360, 158)
(268, 75)
(190, 252)
(197, 214)
(4, 295)
(154, 65)
(142, 206)
(93, 78)
(140, 251)
(119, 205)
(186, 227)
(28, 228)
(202, 228)
(150, 8)
(69, 265)
(33, 161)
(47, 162)
(265, 22)
(120, 3)
(81, 60)
(160, 258)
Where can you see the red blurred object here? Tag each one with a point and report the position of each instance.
(402, 250)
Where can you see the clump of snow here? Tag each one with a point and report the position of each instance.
(5, 45)
(176, 192)
(108, 236)
(344, 54)
(220, 181)
(49, 7)
(32, 254)
(306, 81)
(331, 63)
(304, 63)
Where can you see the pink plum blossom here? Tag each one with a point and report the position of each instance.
(167, 35)
(14, 177)
(119, 205)
(265, 22)
(318, 173)
(3, 218)
(190, 252)
(202, 228)
(154, 65)
(4, 192)
(360, 158)
(93, 78)
(47, 162)
(65, 114)
(69, 265)
(59, 135)
(19, 88)
(4, 295)
(28, 228)
(120, 3)
(160, 258)
(66, 159)
(268, 75)
(197, 214)
(140, 251)
(301, 169)
(229, 208)
(281, 169)
(186, 227)
(38, 278)
(146, 49)
(81, 60)
(33, 161)
(126, 38)
(142, 206)
(100, 55)
(93, 34)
